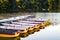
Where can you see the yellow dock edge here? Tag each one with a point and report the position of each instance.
(6, 35)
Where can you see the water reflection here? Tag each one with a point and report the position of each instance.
(54, 17)
(8, 15)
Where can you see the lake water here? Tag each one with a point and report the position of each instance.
(51, 32)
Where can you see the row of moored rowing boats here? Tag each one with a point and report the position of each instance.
(15, 26)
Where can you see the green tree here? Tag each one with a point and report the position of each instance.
(3, 5)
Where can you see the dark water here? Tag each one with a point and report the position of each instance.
(51, 32)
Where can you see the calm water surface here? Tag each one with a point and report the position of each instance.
(51, 32)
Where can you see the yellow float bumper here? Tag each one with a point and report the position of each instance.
(30, 30)
(47, 22)
(37, 27)
(23, 33)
